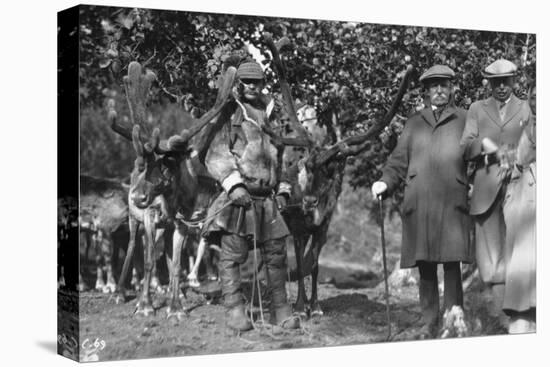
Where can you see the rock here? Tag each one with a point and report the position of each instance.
(402, 277)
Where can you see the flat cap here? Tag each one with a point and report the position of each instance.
(250, 70)
(438, 71)
(500, 68)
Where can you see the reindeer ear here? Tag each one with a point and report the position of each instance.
(177, 144)
(139, 163)
(155, 138)
(301, 163)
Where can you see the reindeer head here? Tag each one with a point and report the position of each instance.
(319, 171)
(156, 168)
(317, 185)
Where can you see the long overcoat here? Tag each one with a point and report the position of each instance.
(520, 216)
(429, 158)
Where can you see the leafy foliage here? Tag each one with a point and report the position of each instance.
(348, 71)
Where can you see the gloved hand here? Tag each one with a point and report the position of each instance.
(488, 146)
(240, 196)
(378, 188)
(281, 202)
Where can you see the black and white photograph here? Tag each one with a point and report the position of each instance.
(319, 183)
(267, 183)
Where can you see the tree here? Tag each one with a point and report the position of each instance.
(349, 71)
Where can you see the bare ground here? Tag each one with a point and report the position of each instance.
(352, 300)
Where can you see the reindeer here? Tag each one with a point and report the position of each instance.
(319, 184)
(318, 175)
(164, 181)
(67, 236)
(103, 211)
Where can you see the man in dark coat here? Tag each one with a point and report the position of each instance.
(435, 217)
(492, 126)
(247, 213)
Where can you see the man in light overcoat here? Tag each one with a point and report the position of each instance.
(492, 126)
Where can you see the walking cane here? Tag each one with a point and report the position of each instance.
(381, 217)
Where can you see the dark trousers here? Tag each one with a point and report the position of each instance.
(235, 252)
(429, 291)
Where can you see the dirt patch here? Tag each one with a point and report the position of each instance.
(352, 315)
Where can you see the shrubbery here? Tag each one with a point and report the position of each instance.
(349, 71)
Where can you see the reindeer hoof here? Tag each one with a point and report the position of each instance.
(194, 283)
(81, 287)
(300, 314)
(119, 297)
(317, 313)
(155, 284)
(99, 286)
(109, 288)
(144, 310)
(176, 314)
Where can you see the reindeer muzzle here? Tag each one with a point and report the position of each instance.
(310, 208)
(142, 201)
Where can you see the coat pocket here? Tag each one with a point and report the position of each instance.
(409, 200)
(462, 198)
(462, 180)
(410, 177)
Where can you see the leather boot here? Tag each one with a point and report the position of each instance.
(237, 319)
(280, 309)
(230, 276)
(275, 265)
(282, 316)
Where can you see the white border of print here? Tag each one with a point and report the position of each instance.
(28, 307)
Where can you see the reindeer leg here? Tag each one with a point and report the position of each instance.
(135, 282)
(155, 282)
(133, 225)
(145, 306)
(301, 299)
(81, 285)
(99, 283)
(317, 242)
(175, 308)
(110, 287)
(193, 273)
(88, 244)
(211, 270)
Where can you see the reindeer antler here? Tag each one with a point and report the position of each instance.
(136, 86)
(223, 94)
(125, 132)
(181, 142)
(274, 48)
(363, 139)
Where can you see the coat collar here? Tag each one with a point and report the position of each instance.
(512, 109)
(428, 115)
(490, 105)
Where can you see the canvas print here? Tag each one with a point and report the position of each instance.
(234, 183)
